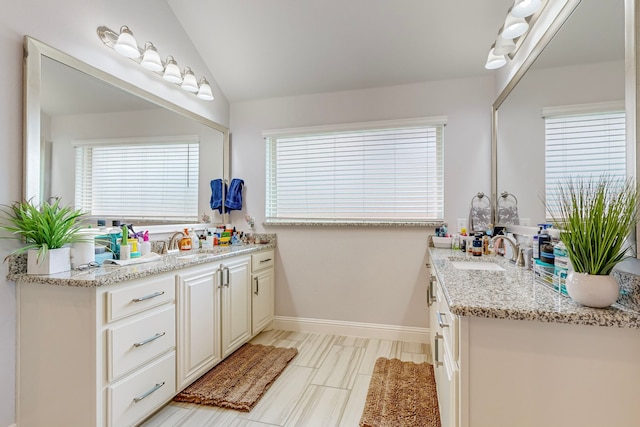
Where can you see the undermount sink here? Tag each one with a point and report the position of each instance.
(190, 257)
(476, 265)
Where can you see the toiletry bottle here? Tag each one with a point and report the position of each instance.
(185, 243)
(477, 245)
(125, 249)
(145, 245)
(536, 247)
(543, 238)
(115, 234)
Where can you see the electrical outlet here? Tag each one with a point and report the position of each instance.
(462, 223)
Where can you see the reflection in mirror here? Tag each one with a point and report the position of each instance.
(76, 108)
(583, 65)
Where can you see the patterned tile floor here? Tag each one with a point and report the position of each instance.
(324, 385)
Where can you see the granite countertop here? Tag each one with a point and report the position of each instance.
(514, 294)
(111, 274)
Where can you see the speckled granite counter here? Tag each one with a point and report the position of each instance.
(513, 294)
(111, 274)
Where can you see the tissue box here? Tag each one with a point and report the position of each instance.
(442, 242)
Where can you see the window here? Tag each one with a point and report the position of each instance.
(152, 179)
(372, 172)
(586, 140)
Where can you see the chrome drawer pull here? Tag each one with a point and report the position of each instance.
(146, 297)
(436, 350)
(148, 340)
(440, 321)
(265, 260)
(154, 388)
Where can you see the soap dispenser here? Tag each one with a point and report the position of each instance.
(185, 242)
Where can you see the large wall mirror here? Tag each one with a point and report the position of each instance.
(68, 101)
(582, 65)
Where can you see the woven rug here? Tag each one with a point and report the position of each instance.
(239, 381)
(401, 394)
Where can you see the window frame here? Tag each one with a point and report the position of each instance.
(157, 141)
(575, 111)
(438, 121)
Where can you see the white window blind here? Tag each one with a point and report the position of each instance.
(582, 145)
(373, 174)
(155, 179)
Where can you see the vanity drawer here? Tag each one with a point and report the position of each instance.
(447, 323)
(262, 260)
(131, 344)
(138, 395)
(139, 296)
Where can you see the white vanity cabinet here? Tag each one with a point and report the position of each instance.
(95, 356)
(444, 341)
(199, 341)
(214, 315)
(262, 282)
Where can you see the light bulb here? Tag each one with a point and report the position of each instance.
(514, 27)
(503, 46)
(189, 83)
(126, 44)
(495, 61)
(171, 71)
(151, 59)
(205, 90)
(524, 8)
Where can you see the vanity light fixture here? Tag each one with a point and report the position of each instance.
(125, 44)
(524, 8)
(151, 58)
(503, 46)
(514, 30)
(494, 60)
(514, 27)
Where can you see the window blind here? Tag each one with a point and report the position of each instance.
(151, 180)
(580, 145)
(372, 175)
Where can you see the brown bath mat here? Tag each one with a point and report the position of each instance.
(239, 381)
(401, 394)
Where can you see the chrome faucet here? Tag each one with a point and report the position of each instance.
(514, 245)
(173, 241)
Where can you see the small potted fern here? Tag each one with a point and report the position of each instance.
(595, 216)
(47, 230)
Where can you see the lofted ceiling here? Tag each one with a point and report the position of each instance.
(272, 48)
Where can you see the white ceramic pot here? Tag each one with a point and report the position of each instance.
(592, 290)
(56, 261)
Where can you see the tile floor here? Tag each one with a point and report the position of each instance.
(324, 385)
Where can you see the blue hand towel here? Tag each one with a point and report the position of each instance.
(233, 201)
(216, 195)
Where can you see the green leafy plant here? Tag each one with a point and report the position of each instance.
(595, 216)
(49, 226)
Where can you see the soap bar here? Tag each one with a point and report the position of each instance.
(101, 257)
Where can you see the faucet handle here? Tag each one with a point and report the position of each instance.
(520, 262)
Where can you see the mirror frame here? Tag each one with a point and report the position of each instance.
(632, 91)
(34, 50)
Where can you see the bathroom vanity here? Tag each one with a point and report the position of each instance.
(109, 346)
(509, 351)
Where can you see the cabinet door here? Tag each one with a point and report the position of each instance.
(262, 300)
(236, 305)
(199, 323)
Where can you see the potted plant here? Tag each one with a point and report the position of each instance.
(47, 230)
(595, 216)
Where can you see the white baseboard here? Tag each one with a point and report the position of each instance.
(365, 330)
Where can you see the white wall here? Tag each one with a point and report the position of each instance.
(372, 275)
(70, 26)
(521, 144)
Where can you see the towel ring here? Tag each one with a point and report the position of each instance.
(480, 196)
(506, 194)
